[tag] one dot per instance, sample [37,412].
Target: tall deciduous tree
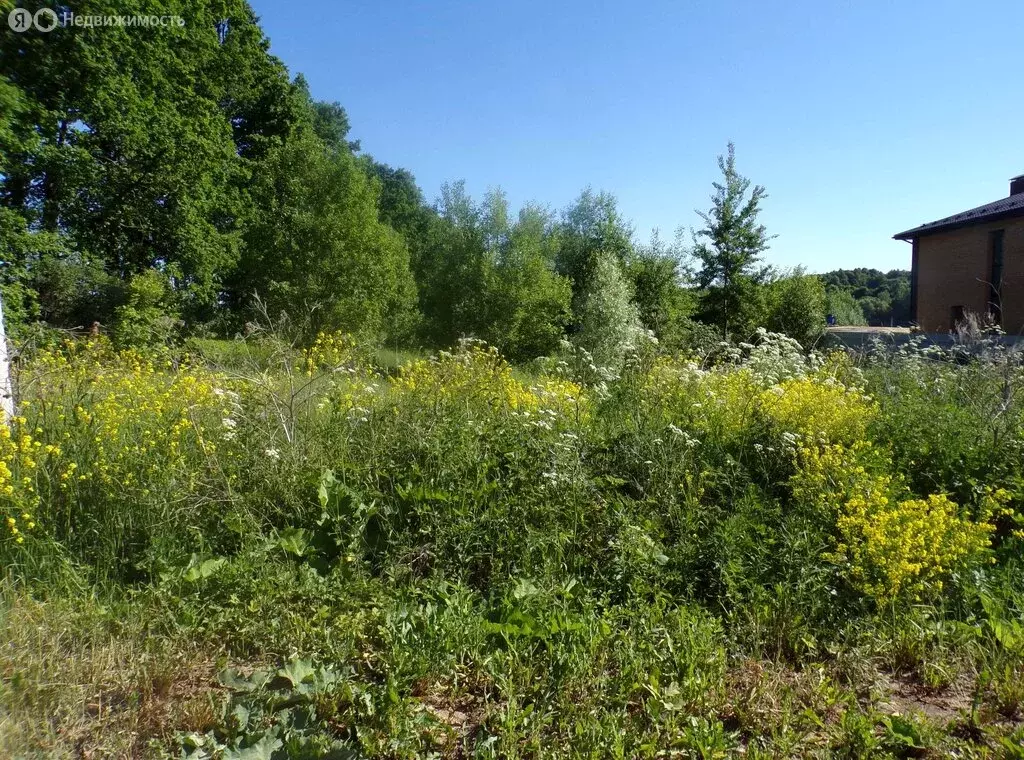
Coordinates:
[318,252]
[146,138]
[330,121]
[661,288]
[590,226]
[528,302]
[729,247]
[452,269]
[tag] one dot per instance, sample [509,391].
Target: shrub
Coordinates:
[795,305]
[889,546]
[148,318]
[609,325]
[904,548]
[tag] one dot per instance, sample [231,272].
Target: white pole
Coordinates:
[6,394]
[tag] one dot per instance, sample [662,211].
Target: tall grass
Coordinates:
[484,560]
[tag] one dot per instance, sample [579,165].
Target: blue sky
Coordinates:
[861,118]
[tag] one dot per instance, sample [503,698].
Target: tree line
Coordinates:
[180,180]
[868,296]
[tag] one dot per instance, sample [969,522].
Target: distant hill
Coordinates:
[868,296]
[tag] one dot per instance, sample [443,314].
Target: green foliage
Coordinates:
[662,296]
[147,319]
[20,299]
[143,162]
[453,270]
[486,275]
[609,326]
[192,153]
[270,714]
[528,302]
[882,298]
[696,551]
[591,226]
[458,557]
[135,162]
[318,253]
[728,250]
[329,120]
[844,307]
[795,305]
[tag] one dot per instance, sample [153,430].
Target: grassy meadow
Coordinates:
[245,550]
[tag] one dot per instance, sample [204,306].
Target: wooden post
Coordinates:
[6,393]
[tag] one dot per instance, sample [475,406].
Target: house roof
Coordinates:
[1012,205]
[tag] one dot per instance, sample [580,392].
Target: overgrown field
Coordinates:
[300,554]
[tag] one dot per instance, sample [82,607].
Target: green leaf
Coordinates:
[323,493]
[294,541]
[241,715]
[233,679]
[204,569]
[904,731]
[262,750]
[297,671]
[524,589]
[192,741]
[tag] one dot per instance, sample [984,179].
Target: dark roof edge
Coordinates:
[929,229]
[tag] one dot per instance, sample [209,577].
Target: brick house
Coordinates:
[971,262]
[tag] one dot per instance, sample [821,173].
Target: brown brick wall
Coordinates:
[953,270]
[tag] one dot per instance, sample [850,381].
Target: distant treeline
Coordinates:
[868,296]
[186,182]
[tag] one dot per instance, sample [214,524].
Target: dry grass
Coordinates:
[75,682]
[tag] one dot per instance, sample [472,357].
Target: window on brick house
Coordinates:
[995,274]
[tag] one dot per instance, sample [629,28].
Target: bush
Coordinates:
[609,326]
[796,306]
[844,307]
[148,318]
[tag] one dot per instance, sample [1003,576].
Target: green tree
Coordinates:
[74,289]
[883,298]
[401,205]
[453,270]
[796,305]
[18,246]
[729,248]
[149,317]
[528,302]
[844,307]
[330,120]
[143,156]
[318,252]
[592,225]
[485,274]
[661,292]
[609,326]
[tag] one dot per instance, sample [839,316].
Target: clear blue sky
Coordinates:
[861,118]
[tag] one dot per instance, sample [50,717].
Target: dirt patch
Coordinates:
[902,695]
[458,716]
